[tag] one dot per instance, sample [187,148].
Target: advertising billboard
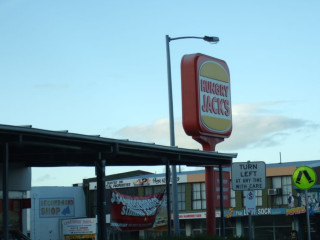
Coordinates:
[206,96]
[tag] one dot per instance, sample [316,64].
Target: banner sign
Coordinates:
[137,182]
[133,213]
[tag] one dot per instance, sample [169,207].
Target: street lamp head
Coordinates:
[211,39]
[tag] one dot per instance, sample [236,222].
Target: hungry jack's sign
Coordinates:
[206,96]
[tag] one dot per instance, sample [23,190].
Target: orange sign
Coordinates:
[206,96]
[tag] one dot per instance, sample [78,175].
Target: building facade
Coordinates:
[52,205]
[280,207]
[19,185]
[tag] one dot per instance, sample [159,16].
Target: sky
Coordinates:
[100,67]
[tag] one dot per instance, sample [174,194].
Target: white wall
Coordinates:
[19,177]
[51,204]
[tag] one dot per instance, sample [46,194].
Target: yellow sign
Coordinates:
[80,237]
[304,177]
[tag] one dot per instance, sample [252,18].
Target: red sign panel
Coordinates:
[132,213]
[206,96]
[15,211]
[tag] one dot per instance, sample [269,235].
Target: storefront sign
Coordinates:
[80,237]
[192,215]
[56,207]
[259,212]
[248,176]
[79,226]
[206,96]
[132,213]
[294,211]
[137,182]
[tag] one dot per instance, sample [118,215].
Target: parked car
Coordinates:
[14,235]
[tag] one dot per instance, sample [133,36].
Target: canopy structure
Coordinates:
[43,148]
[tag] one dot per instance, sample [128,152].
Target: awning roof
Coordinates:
[44,148]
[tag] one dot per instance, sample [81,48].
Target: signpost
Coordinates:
[247,177]
[304,178]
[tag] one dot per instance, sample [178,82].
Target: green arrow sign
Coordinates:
[304,177]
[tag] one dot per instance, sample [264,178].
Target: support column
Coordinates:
[101,197]
[210,200]
[222,223]
[168,197]
[5,203]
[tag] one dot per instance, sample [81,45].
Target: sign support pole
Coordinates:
[209,144]
[210,200]
[250,226]
[308,215]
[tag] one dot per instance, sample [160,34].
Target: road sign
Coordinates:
[250,201]
[248,176]
[304,177]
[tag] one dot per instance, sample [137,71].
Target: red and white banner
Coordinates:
[132,213]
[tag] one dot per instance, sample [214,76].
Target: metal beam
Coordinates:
[101,197]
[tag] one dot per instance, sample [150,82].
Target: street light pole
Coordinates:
[176,223]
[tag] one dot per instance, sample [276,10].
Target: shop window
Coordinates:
[181,194]
[198,196]
[181,197]
[233,198]
[152,190]
[259,197]
[283,183]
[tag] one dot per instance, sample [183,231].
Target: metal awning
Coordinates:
[43,148]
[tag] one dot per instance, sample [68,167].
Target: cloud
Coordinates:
[43,178]
[257,127]
[157,132]
[254,126]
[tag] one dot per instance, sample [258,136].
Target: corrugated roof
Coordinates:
[41,148]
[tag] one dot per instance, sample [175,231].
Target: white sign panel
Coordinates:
[248,176]
[250,201]
[137,182]
[79,226]
[56,207]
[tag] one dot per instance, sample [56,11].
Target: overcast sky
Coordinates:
[99,67]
